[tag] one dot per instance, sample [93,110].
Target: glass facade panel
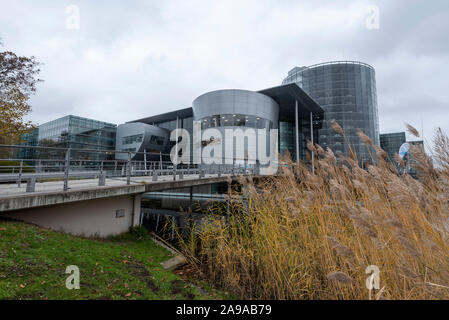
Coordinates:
[287,139]
[77,133]
[235,120]
[132,139]
[347,93]
[157,140]
[391,142]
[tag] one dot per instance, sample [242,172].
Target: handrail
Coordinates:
[65,166]
[333,63]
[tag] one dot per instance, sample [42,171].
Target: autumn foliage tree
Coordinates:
[18,80]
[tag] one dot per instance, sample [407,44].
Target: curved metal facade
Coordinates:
[236,109]
[138,137]
[346,91]
[212,106]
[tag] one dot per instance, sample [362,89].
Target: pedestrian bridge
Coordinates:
[94,197]
[88,209]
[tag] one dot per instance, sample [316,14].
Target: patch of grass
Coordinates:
[33,263]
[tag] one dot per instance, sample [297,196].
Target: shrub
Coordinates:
[6,166]
[301,235]
[138,232]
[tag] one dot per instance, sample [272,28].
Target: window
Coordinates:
[132,139]
[235,120]
[157,140]
[119,213]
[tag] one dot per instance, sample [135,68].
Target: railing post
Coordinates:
[20,173]
[31,184]
[160,160]
[66,170]
[128,172]
[155,174]
[102,177]
[145,161]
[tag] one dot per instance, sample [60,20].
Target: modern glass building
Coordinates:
[346,90]
[76,133]
[287,108]
[29,139]
[391,142]
[141,137]
[157,129]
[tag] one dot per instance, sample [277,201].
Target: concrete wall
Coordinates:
[87,218]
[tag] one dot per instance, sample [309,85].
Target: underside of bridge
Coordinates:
[99,211]
[91,218]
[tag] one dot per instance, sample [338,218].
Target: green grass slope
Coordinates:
[33,263]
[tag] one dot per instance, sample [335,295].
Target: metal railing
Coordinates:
[338,62]
[56,164]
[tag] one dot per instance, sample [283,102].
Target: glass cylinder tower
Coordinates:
[346,90]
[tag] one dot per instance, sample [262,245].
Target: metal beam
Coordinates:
[297,131]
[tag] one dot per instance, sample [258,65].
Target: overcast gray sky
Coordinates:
[131,59]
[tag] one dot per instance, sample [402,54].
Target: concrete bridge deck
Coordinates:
[50,193]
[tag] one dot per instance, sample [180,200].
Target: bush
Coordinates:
[6,167]
[312,236]
[139,232]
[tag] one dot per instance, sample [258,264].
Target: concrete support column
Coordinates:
[136,210]
[297,130]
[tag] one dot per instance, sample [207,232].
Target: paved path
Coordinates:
[12,190]
[50,193]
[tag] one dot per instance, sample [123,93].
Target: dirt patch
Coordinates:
[139,271]
[178,287]
[152,285]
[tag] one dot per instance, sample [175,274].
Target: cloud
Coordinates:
[139,58]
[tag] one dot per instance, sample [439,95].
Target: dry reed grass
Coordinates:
[305,236]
